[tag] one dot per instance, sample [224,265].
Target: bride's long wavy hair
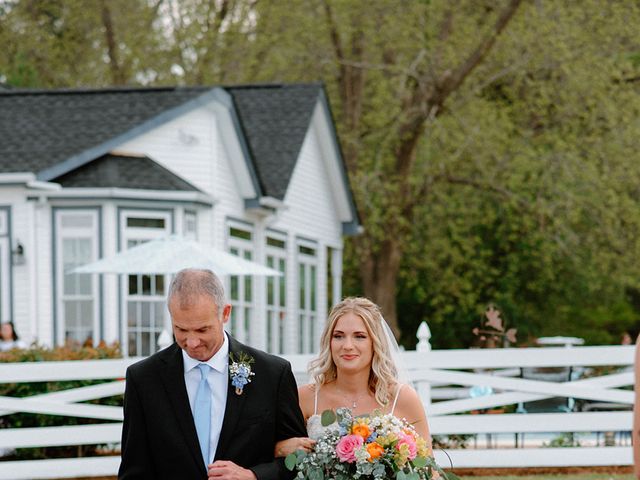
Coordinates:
[383,374]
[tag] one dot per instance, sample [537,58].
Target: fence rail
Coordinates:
[444,380]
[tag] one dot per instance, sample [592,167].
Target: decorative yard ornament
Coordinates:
[491,333]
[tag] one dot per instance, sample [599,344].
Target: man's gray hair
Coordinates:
[190,283]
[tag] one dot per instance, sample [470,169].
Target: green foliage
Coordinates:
[522,187]
[20,390]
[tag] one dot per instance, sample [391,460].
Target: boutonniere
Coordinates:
[240,371]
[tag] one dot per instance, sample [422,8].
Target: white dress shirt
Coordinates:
[218,382]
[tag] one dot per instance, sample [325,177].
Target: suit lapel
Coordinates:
[173,380]
[233,407]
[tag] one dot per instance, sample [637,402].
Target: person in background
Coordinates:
[635,432]
[9,337]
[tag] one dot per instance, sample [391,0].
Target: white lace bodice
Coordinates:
[315,429]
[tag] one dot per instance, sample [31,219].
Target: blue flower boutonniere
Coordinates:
[240,371]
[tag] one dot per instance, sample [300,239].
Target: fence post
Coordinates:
[424,346]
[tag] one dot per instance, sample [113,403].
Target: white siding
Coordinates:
[204,163]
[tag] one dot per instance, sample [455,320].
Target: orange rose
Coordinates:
[361,429]
[375,450]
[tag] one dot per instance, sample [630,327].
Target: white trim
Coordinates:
[331,161]
[134,194]
[155,300]
[90,233]
[240,323]
[272,202]
[230,138]
[17,177]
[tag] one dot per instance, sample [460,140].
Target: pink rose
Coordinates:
[410,442]
[347,446]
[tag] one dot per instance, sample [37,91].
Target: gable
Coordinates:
[124,171]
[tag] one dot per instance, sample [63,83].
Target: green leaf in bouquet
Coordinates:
[327,418]
[316,474]
[290,461]
[413,476]
[400,475]
[419,462]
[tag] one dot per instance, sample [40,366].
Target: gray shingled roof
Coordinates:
[275,119]
[40,129]
[122,171]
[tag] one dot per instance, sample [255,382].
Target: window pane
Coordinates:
[159,285]
[270,291]
[146,343]
[313,288]
[76,221]
[133,284]
[145,222]
[269,331]
[158,315]
[239,233]
[275,242]
[133,349]
[233,320]
[248,291]
[307,250]
[146,285]
[301,334]
[247,321]
[302,287]
[132,316]
[145,314]
[234,288]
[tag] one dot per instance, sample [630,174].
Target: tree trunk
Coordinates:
[379,279]
[117,75]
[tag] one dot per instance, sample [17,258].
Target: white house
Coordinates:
[255,170]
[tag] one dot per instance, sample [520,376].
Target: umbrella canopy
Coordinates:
[172,254]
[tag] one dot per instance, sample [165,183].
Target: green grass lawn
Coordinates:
[595,476]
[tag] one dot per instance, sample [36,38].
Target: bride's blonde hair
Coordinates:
[383,374]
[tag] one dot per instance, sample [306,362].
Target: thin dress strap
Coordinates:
[315,403]
[395,400]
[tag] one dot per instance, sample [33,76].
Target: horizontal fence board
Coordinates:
[564,389]
[60,468]
[521,357]
[59,436]
[101,412]
[531,423]
[535,457]
[21,372]
[78,394]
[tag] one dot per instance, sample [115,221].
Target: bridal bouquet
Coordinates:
[377,446]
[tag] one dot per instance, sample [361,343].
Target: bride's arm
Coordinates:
[290,445]
[410,407]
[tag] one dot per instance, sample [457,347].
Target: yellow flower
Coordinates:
[424,449]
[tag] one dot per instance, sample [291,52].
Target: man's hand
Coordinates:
[226,470]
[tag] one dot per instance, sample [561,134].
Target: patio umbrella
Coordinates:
[169,255]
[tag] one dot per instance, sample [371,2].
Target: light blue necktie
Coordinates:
[202,412]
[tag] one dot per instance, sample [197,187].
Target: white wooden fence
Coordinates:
[443,379]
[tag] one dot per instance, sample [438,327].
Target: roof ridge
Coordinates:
[101,90]
[266,85]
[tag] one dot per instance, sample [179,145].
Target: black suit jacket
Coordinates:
[159,439]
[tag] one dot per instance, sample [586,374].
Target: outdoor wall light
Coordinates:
[18,255]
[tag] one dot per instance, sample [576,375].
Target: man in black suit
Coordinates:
[164,394]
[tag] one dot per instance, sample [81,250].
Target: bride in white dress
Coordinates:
[355,369]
